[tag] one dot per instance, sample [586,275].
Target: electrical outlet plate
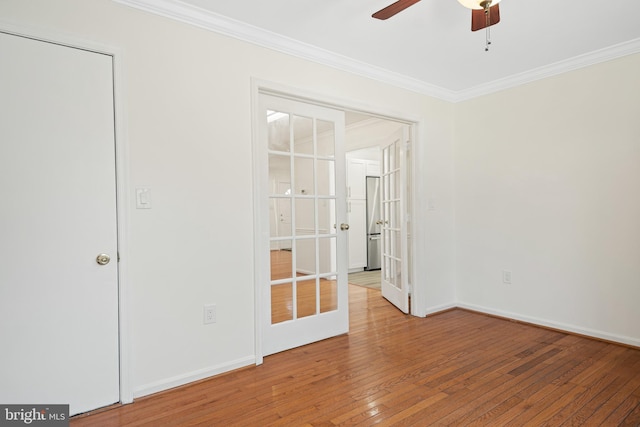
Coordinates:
[209,314]
[143,198]
[506,277]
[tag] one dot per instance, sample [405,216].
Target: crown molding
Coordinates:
[179,11]
[591,58]
[192,15]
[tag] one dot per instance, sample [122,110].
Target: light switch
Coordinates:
[143,198]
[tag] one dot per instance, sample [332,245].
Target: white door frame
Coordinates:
[123,196]
[261,263]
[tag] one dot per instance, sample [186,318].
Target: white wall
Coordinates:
[371,153]
[433,204]
[186,98]
[367,133]
[548,187]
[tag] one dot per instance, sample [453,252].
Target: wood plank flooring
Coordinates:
[456,368]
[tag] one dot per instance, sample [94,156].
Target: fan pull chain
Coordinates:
[487,15]
[488,39]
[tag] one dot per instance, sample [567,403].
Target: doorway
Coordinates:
[379,182]
[296,152]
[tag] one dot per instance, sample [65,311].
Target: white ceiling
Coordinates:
[429,47]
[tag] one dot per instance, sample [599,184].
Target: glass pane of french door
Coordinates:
[306,291]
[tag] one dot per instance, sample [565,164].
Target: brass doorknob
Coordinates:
[103,259]
[344,226]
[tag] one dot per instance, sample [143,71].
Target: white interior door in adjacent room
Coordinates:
[58,290]
[304,295]
[395,225]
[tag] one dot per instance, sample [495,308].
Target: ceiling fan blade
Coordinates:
[479,21]
[394,8]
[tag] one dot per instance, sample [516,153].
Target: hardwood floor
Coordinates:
[456,368]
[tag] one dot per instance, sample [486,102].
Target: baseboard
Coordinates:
[429,311]
[558,326]
[190,377]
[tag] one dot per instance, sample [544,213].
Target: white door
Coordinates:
[58,306]
[304,286]
[394,277]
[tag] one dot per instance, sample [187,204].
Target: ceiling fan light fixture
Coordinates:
[478,4]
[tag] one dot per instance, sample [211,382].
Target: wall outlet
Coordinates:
[143,198]
[209,314]
[506,277]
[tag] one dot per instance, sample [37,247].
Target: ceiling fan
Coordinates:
[484,13]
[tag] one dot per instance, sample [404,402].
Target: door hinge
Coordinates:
[118,256]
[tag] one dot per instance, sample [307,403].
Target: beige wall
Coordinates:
[185,97]
[548,187]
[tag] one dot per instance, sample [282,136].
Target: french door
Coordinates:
[395,225]
[303,216]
